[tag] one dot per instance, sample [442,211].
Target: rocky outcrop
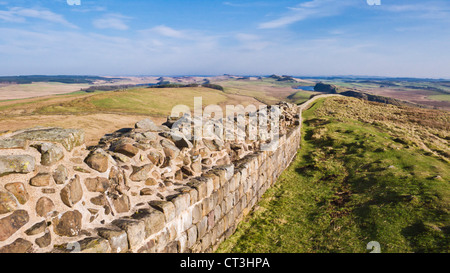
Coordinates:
[325,88]
[145,189]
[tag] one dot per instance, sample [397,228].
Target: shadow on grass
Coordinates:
[426,238]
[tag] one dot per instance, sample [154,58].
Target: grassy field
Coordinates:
[266,90]
[365,172]
[152,101]
[301,96]
[21,91]
[440,97]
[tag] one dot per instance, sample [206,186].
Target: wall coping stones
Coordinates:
[69,138]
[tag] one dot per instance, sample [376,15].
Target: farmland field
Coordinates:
[430,93]
[21,91]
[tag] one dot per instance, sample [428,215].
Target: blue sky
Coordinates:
[406,38]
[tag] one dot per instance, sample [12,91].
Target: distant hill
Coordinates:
[348,92]
[283,78]
[60,79]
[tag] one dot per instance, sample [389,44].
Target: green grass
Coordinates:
[265,90]
[352,182]
[21,104]
[150,101]
[301,96]
[440,97]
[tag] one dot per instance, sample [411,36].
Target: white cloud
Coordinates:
[9,16]
[91,9]
[436,10]
[307,10]
[19,15]
[250,4]
[169,32]
[112,21]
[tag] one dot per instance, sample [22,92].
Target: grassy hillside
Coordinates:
[366,172]
[137,100]
[266,90]
[440,97]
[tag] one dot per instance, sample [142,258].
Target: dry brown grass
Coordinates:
[425,128]
[40,89]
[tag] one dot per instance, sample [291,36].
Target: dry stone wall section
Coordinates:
[144,189]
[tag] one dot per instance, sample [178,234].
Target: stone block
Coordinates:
[117,238]
[181,202]
[16,164]
[148,125]
[197,213]
[149,247]
[8,202]
[206,242]
[207,205]
[135,230]
[41,180]
[60,174]
[44,206]
[191,236]
[221,174]
[126,149]
[215,178]
[166,207]
[13,144]
[121,203]
[217,213]
[202,227]
[211,221]
[182,243]
[12,223]
[36,229]
[172,247]
[200,186]
[98,161]
[72,193]
[18,246]
[141,173]
[44,241]
[19,191]
[153,219]
[68,224]
[87,245]
[98,184]
[69,138]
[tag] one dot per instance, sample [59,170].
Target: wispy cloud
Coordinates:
[89,9]
[243,4]
[169,32]
[112,21]
[430,10]
[20,15]
[307,10]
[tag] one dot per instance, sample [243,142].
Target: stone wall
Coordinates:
[144,189]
